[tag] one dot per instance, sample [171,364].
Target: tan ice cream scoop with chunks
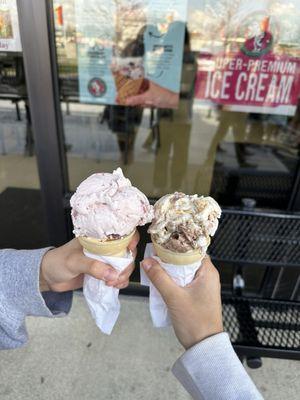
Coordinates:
[182,227]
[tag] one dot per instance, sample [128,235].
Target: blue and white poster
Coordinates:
[130,51]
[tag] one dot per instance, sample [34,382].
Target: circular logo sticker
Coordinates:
[258,31]
[258,45]
[97,87]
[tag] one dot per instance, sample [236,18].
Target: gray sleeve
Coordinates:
[211,370]
[20,295]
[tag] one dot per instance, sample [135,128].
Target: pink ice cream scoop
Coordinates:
[107,206]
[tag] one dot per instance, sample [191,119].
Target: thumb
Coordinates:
[99,269]
[160,279]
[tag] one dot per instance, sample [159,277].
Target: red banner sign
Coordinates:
[253,77]
[270,81]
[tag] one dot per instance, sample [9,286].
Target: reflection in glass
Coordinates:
[229,151]
[20,200]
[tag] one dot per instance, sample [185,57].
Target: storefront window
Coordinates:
[233,129]
[21,212]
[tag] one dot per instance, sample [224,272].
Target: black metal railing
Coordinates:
[263,246]
[259,238]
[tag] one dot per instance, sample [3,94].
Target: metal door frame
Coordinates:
[36,25]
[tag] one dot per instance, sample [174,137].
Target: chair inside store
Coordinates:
[258,256]
[13,89]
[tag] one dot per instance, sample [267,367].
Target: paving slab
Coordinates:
[69,358]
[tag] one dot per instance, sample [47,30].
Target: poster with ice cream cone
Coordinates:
[130,51]
[9,26]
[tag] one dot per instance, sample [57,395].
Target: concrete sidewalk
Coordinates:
[69,358]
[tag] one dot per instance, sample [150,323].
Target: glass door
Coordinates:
[21,211]
[217,108]
[227,135]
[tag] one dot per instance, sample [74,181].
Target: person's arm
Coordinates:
[20,295]
[40,283]
[212,370]
[209,369]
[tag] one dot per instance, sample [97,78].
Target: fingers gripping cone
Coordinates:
[103,300]
[181,267]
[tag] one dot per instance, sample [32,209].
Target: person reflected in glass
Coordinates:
[233,121]
[174,127]
[123,120]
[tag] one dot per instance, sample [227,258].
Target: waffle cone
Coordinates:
[127,87]
[115,248]
[170,257]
